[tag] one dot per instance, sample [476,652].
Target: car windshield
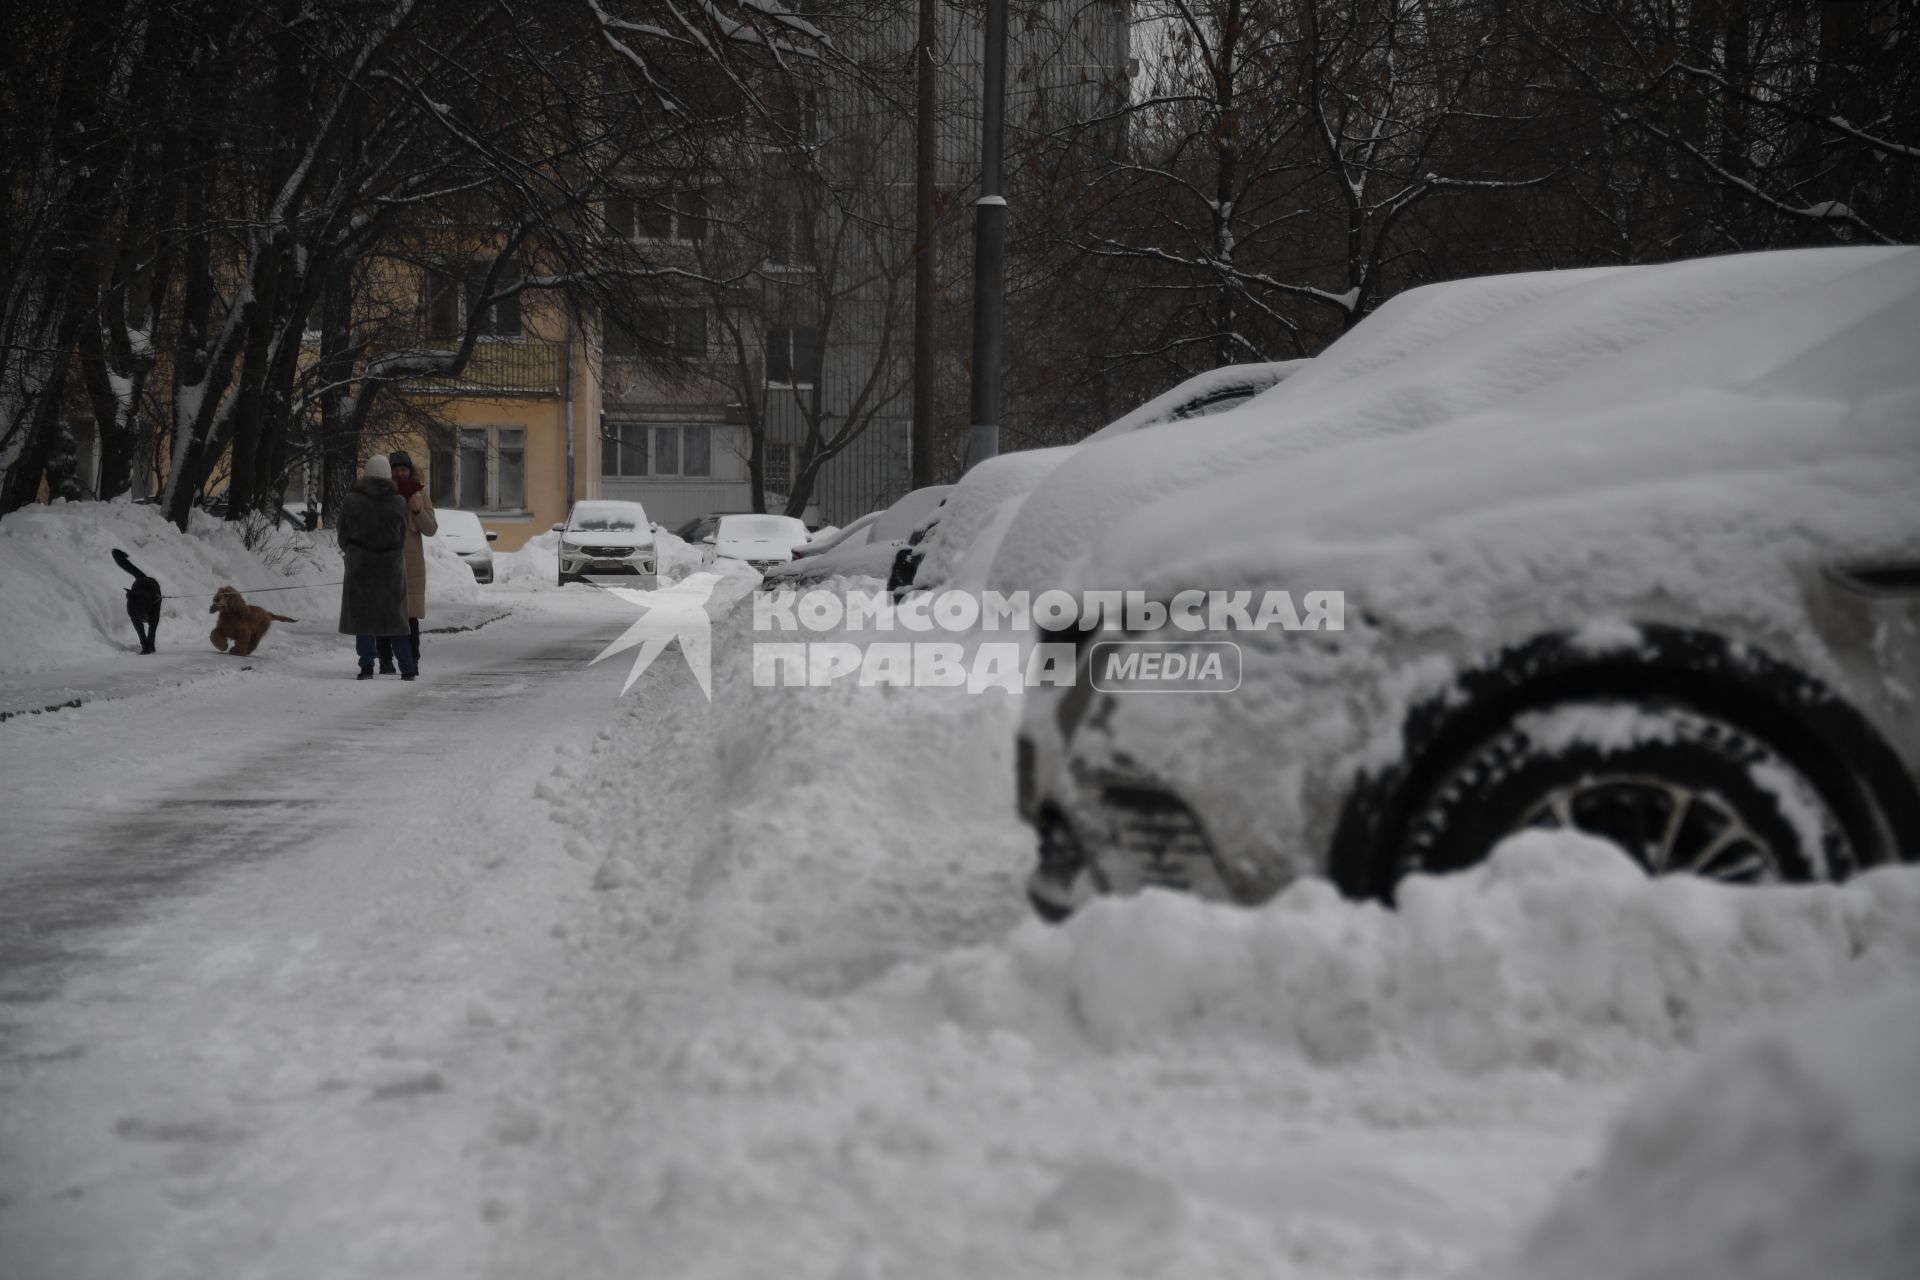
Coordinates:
[607,517]
[782,529]
[460,524]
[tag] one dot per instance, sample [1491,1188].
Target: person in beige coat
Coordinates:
[420,523]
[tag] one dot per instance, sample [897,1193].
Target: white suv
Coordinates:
[607,537]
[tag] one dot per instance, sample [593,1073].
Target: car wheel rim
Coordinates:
[1664,825]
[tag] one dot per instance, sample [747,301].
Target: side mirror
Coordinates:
[559,528]
[492,536]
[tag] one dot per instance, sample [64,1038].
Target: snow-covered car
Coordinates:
[1634,552]
[957,547]
[869,551]
[463,535]
[607,536]
[762,541]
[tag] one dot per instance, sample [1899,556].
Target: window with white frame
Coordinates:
[478,468]
[640,449]
[793,356]
[678,215]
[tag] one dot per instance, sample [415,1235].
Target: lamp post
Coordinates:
[921,452]
[989,244]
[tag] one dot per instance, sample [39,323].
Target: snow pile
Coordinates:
[675,557]
[1558,953]
[66,598]
[1793,1152]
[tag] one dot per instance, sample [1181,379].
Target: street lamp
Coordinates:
[989,244]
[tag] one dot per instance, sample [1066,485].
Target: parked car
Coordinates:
[697,530]
[605,536]
[762,541]
[975,517]
[1633,552]
[852,534]
[871,551]
[462,533]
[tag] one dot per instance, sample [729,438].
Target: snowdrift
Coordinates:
[1793,1152]
[66,599]
[1557,953]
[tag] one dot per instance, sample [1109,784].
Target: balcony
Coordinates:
[505,368]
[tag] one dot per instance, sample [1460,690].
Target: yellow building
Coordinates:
[519,442]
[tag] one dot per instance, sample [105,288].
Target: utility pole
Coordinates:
[990,244]
[924,169]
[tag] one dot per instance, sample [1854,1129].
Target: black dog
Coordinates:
[143,602]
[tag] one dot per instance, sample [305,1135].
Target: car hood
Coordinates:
[464,544]
[611,538]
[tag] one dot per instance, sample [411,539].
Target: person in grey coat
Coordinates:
[373,599]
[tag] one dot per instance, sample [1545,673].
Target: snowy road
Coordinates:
[501,974]
[274,883]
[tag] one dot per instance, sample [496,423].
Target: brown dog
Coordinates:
[241,623]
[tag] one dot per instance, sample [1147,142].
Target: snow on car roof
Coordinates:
[1754,406]
[763,528]
[1428,356]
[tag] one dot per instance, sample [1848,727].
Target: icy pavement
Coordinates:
[501,974]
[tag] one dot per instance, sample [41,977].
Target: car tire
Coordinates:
[1677,789]
[566,577]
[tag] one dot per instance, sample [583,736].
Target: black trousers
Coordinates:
[386,644]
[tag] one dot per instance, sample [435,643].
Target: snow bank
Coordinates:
[66,598]
[1794,1152]
[537,560]
[1557,953]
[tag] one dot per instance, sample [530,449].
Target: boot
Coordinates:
[366,671]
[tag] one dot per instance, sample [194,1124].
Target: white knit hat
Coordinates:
[378,467]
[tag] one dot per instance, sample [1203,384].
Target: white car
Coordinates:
[869,549]
[762,541]
[462,533]
[1633,551]
[605,536]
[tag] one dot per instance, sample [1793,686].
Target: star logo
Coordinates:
[676,612]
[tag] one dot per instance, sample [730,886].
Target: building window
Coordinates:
[666,451]
[510,450]
[790,237]
[478,468]
[682,330]
[688,326]
[696,451]
[623,449]
[667,215]
[779,467]
[450,293]
[629,449]
[793,356]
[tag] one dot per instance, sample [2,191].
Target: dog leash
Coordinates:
[260,591]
